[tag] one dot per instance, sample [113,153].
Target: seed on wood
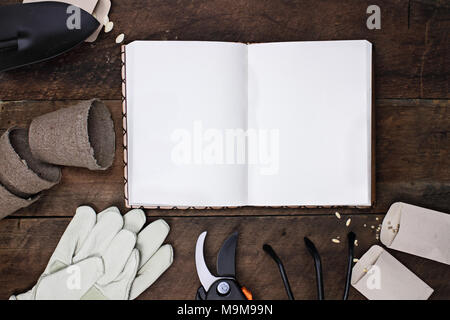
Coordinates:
[336,240]
[120,38]
[337,214]
[348,222]
[109,26]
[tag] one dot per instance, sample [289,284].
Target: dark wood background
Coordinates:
[412,140]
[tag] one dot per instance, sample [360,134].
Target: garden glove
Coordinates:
[146,264]
[84,229]
[101,249]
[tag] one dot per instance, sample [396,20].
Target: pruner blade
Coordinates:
[205,276]
[226,259]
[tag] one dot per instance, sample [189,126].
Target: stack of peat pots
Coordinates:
[30,159]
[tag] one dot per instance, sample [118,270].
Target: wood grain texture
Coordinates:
[26,245]
[411,49]
[412,162]
[411,64]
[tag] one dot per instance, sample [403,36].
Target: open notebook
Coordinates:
[218,124]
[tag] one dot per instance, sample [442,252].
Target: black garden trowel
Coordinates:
[34,32]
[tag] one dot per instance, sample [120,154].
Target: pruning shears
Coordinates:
[224,286]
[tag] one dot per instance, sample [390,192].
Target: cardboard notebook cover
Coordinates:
[125,156]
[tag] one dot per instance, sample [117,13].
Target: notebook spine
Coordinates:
[124,124]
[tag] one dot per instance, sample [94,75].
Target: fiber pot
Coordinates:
[10,203]
[80,136]
[21,173]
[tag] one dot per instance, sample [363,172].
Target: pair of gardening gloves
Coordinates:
[104,256]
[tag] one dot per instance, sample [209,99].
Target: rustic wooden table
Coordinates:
[412,140]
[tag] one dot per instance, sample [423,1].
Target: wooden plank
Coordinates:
[26,245]
[411,59]
[412,162]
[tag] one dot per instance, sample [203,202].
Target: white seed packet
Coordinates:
[101,11]
[379,276]
[418,231]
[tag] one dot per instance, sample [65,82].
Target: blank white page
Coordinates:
[318,94]
[171,85]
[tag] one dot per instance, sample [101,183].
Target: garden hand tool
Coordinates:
[317,266]
[34,32]
[97,8]
[106,255]
[267,248]
[224,286]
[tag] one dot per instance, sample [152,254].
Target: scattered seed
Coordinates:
[364,225]
[120,38]
[356,242]
[336,240]
[372,227]
[338,215]
[355,260]
[349,220]
[365,270]
[377,218]
[109,26]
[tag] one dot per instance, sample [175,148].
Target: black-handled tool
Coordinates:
[351,237]
[9,44]
[317,266]
[267,248]
[34,32]
[224,286]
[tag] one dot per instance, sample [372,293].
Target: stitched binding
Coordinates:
[124,123]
